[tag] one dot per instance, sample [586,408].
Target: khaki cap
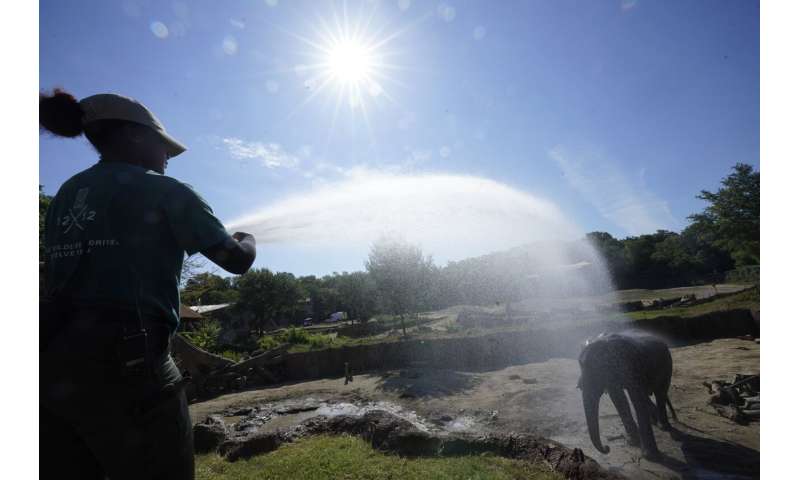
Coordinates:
[110,106]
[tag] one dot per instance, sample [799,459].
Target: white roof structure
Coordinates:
[209,308]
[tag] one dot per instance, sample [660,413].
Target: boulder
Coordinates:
[209,434]
[252,445]
[384,430]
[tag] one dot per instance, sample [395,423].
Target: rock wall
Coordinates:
[196,361]
[508,348]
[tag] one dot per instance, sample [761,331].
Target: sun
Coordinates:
[350,62]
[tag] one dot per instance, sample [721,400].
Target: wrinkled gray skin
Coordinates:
[640,364]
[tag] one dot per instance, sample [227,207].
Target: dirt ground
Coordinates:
[542,398]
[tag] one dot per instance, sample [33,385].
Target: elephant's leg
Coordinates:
[653,413]
[621,404]
[661,408]
[642,404]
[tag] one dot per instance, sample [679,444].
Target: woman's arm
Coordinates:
[235,254]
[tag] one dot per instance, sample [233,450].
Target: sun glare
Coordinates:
[348,65]
[350,62]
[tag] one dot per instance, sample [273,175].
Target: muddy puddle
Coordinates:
[283,415]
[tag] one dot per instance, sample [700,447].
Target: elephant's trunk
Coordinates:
[591,406]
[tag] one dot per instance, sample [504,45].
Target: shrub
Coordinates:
[318,341]
[206,336]
[268,342]
[294,335]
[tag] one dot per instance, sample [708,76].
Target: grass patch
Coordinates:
[746,300]
[325,457]
[301,340]
[233,355]
[320,341]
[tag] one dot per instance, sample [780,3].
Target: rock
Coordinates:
[252,445]
[411,443]
[297,407]
[209,434]
[469,444]
[384,430]
[242,412]
[688,299]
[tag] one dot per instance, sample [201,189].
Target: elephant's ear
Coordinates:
[580,383]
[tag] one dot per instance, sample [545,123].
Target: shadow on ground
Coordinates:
[425,383]
[707,458]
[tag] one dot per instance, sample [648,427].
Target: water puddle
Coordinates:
[461,424]
[276,416]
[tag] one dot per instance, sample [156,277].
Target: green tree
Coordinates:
[44,203]
[268,297]
[402,276]
[709,259]
[643,269]
[357,294]
[674,257]
[288,295]
[733,214]
[257,297]
[208,289]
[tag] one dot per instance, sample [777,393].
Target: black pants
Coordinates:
[96,423]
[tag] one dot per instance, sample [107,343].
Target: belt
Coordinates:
[110,333]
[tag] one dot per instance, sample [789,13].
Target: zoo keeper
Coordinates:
[111,403]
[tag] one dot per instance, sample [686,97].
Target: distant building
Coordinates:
[189,319]
[208,309]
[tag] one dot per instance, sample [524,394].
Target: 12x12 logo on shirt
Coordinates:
[79,214]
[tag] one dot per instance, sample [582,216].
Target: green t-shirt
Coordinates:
[128,228]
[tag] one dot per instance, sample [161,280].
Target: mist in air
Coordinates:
[449,216]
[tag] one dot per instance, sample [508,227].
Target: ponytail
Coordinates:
[60,114]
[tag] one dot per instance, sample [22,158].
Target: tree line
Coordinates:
[724,236]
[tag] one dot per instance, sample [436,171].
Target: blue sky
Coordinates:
[617,112]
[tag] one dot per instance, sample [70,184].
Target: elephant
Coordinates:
[640,364]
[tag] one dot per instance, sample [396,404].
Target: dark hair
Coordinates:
[60,114]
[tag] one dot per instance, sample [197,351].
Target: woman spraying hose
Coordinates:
[111,402]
